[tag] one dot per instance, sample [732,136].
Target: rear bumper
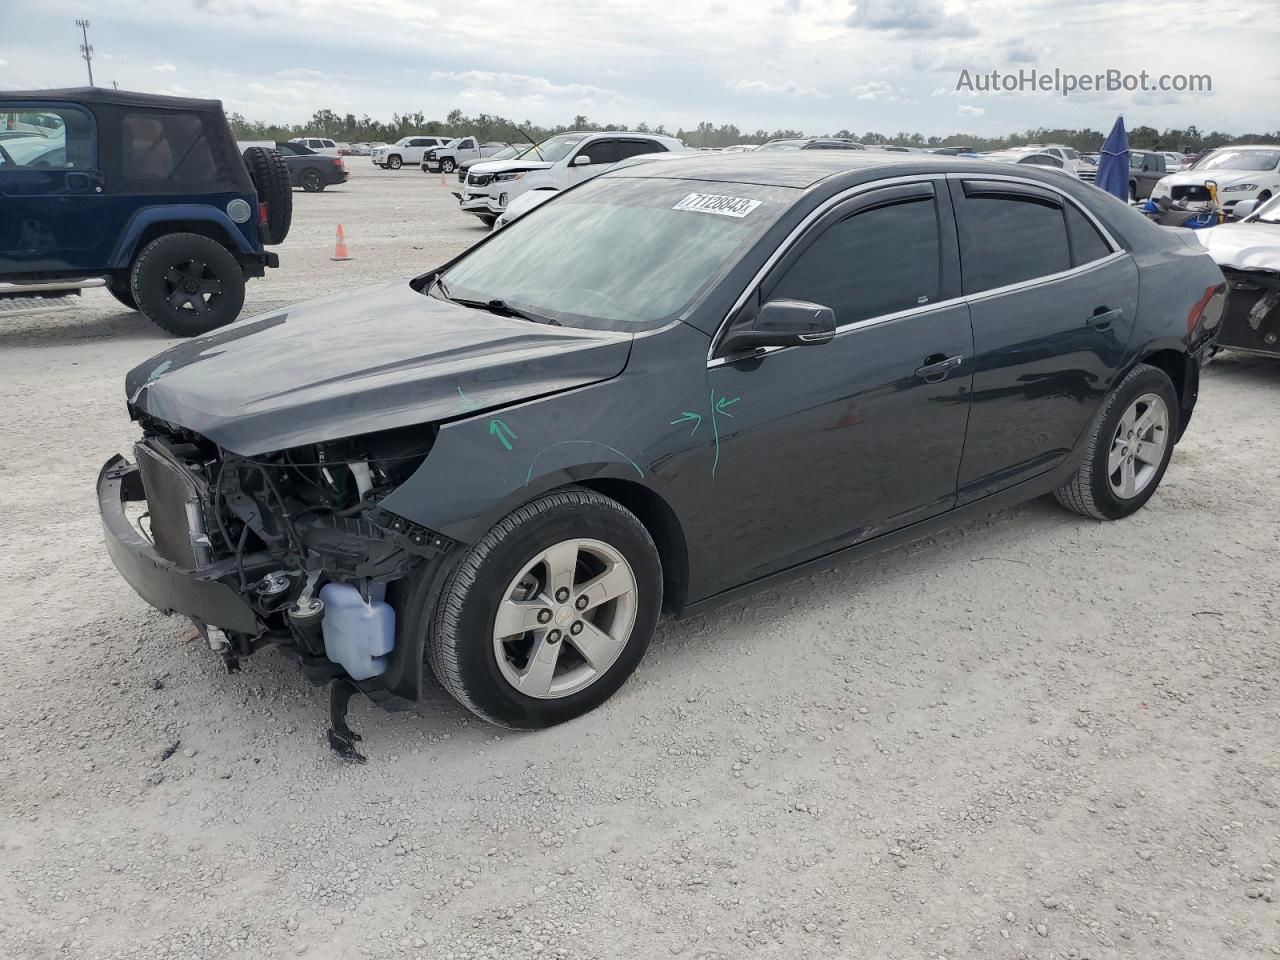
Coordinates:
[165,585]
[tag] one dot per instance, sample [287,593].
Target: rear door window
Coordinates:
[1009,238]
[875,262]
[167,146]
[634,148]
[1087,243]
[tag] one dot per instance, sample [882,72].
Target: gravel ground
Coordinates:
[1033,736]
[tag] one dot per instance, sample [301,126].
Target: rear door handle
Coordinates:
[937,366]
[1103,317]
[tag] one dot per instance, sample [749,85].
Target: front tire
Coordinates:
[1128,449]
[448,166]
[549,613]
[120,290]
[187,284]
[394,163]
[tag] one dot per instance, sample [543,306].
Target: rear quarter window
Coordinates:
[167,146]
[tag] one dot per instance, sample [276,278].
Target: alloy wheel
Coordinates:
[1138,447]
[565,618]
[192,286]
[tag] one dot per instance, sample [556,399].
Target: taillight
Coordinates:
[262,213]
[337,161]
[1207,313]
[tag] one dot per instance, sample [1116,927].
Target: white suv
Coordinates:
[556,163]
[407,151]
[320,145]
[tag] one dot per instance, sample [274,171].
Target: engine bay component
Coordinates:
[359,631]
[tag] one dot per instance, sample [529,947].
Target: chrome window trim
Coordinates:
[1117,251]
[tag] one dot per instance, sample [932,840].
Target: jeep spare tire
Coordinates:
[187,284]
[270,175]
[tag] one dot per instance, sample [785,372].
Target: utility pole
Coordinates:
[86,51]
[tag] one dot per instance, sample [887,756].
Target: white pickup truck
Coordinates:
[455,153]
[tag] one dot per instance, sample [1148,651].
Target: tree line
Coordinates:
[351,129]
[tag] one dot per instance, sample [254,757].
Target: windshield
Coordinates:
[1240,160]
[555,148]
[618,253]
[783,145]
[508,152]
[452,144]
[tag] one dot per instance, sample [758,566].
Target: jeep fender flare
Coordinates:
[126,247]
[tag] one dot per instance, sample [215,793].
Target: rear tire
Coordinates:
[597,645]
[311,181]
[176,270]
[1098,491]
[270,175]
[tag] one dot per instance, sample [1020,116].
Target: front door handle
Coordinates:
[937,366]
[1103,317]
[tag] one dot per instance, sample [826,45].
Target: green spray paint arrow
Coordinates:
[723,403]
[502,431]
[686,416]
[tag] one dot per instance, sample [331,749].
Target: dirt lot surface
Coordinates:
[1033,736]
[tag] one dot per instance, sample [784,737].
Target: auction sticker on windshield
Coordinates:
[714,203]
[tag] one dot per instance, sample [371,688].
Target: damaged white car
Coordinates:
[1248,251]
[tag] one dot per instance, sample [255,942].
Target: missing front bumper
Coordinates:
[1251,317]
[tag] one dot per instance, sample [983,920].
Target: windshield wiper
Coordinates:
[504,309]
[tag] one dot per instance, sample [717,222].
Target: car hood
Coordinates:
[1245,246]
[1221,177]
[503,166]
[373,359]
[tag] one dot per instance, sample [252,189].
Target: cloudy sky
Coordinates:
[819,65]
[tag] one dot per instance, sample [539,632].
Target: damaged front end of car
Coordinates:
[290,548]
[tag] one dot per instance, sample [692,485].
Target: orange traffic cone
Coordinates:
[340,251]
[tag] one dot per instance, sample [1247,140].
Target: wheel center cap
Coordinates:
[190,286]
[564,616]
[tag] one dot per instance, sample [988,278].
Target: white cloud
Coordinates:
[920,18]
[968,110]
[500,85]
[165,68]
[789,87]
[876,90]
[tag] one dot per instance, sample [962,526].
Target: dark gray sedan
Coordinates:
[670,384]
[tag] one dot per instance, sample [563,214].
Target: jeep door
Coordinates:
[1053,300]
[51,203]
[824,445]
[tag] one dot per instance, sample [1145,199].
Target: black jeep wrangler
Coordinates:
[145,195]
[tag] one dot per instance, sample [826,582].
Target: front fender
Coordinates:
[127,246]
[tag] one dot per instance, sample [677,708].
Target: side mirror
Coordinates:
[581,160]
[1244,208]
[784,323]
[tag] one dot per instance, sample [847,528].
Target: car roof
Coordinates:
[795,168]
[118,97]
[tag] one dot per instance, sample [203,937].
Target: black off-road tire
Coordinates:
[270,175]
[447,166]
[394,162]
[151,288]
[1089,492]
[460,647]
[120,290]
[312,181]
